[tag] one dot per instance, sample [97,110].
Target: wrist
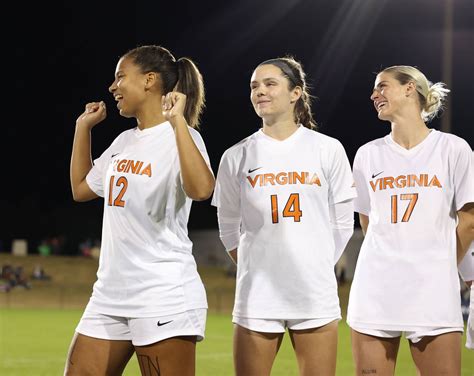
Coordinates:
[177,120]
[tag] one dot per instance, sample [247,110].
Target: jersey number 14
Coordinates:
[291,209]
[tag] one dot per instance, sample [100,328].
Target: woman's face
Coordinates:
[128,87]
[270,94]
[389,96]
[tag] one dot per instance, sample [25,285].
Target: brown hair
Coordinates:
[181,75]
[293,71]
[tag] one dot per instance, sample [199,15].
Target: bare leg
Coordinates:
[94,356]
[254,352]
[316,349]
[438,355]
[374,355]
[171,357]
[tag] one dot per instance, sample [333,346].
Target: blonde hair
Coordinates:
[432,97]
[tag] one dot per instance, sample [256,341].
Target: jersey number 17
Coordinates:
[413,197]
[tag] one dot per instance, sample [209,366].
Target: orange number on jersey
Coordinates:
[413,197]
[122,181]
[292,207]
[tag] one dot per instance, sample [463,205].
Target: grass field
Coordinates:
[36,325]
[34,342]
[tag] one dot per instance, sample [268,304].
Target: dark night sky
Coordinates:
[68,56]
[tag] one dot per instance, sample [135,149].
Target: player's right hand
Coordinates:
[94,113]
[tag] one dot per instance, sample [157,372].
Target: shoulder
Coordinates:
[322,139]
[326,144]
[123,137]
[238,148]
[456,142]
[373,145]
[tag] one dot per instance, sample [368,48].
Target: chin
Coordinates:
[125,114]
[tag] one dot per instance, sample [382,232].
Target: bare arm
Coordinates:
[81,160]
[364,222]
[198,178]
[464,230]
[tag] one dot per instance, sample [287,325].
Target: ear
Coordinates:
[410,88]
[296,94]
[151,78]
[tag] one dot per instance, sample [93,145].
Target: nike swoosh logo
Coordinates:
[113,155]
[163,323]
[375,175]
[254,169]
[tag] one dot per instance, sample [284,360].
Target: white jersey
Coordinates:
[282,190]
[146,264]
[406,274]
[466,267]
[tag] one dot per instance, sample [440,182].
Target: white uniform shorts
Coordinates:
[279,326]
[413,336]
[143,330]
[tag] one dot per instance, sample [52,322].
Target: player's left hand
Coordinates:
[173,104]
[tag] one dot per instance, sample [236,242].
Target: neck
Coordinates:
[280,128]
[409,133]
[144,122]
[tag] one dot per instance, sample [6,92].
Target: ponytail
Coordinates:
[190,83]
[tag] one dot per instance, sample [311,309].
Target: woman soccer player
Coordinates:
[415,195]
[284,203]
[148,297]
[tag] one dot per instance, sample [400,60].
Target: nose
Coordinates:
[260,90]
[375,95]
[112,87]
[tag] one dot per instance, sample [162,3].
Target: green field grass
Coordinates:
[36,325]
[34,342]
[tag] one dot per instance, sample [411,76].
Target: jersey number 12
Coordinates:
[121,181]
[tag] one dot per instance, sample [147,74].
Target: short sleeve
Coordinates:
[464,176]
[95,177]
[362,201]
[197,138]
[341,182]
[227,191]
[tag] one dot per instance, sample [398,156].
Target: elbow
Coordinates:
[466,223]
[79,195]
[201,193]
[75,196]
[470,232]
[78,198]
